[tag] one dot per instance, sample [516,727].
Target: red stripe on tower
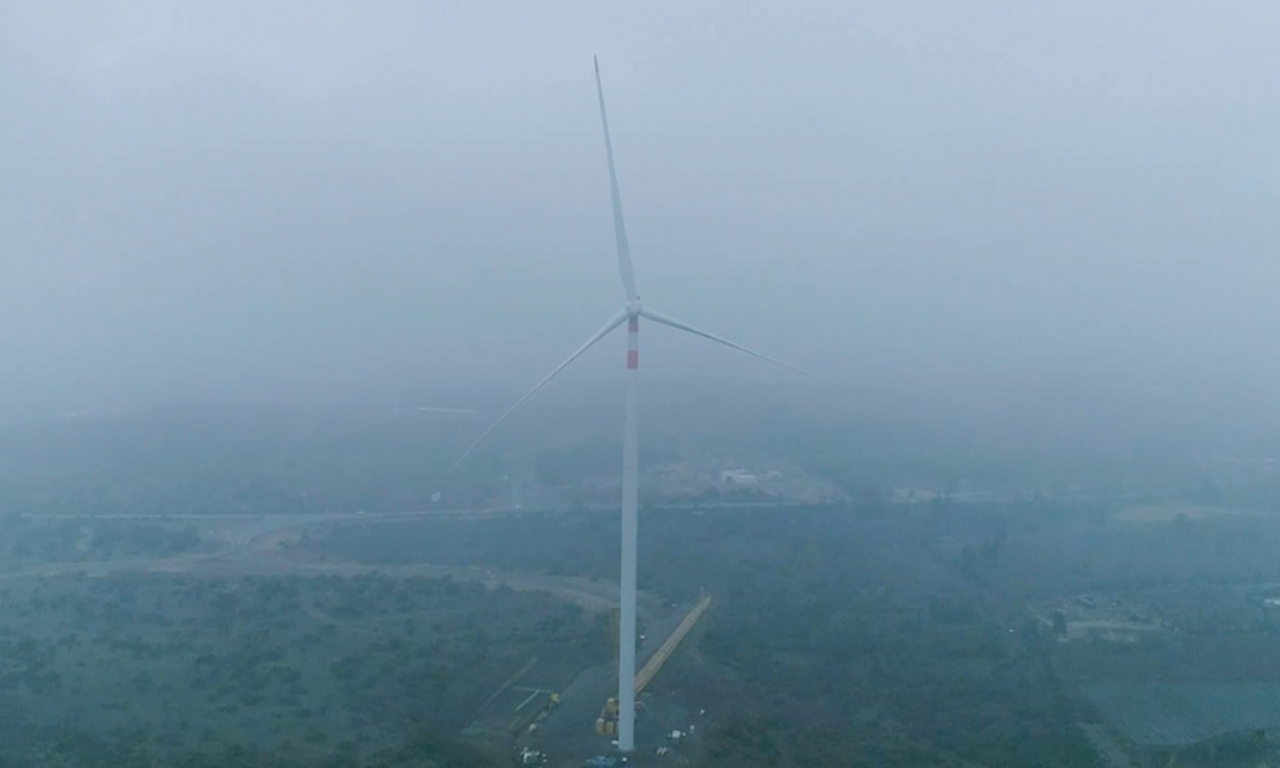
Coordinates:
[633,358]
[633,324]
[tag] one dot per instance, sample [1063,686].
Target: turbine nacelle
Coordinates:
[634,309]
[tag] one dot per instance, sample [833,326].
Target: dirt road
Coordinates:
[248,545]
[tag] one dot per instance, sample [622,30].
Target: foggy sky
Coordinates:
[219,201]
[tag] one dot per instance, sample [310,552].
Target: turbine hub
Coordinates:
[633,307]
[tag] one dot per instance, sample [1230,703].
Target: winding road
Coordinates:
[244,544]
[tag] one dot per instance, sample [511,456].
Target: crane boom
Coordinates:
[607,722]
[660,657]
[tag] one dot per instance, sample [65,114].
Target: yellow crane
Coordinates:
[607,723]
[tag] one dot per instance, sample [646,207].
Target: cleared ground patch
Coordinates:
[1179,714]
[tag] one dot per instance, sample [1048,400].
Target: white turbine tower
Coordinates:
[630,314]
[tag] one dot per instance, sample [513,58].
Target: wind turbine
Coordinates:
[631,313]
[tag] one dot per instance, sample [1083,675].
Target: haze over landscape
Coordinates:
[249,202]
[268,269]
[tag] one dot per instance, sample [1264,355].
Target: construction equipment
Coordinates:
[553,701]
[607,723]
[655,663]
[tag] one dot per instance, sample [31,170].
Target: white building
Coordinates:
[738,477]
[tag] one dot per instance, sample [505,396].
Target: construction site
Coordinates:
[577,725]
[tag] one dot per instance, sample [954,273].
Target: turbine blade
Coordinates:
[658,317]
[614,322]
[619,225]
